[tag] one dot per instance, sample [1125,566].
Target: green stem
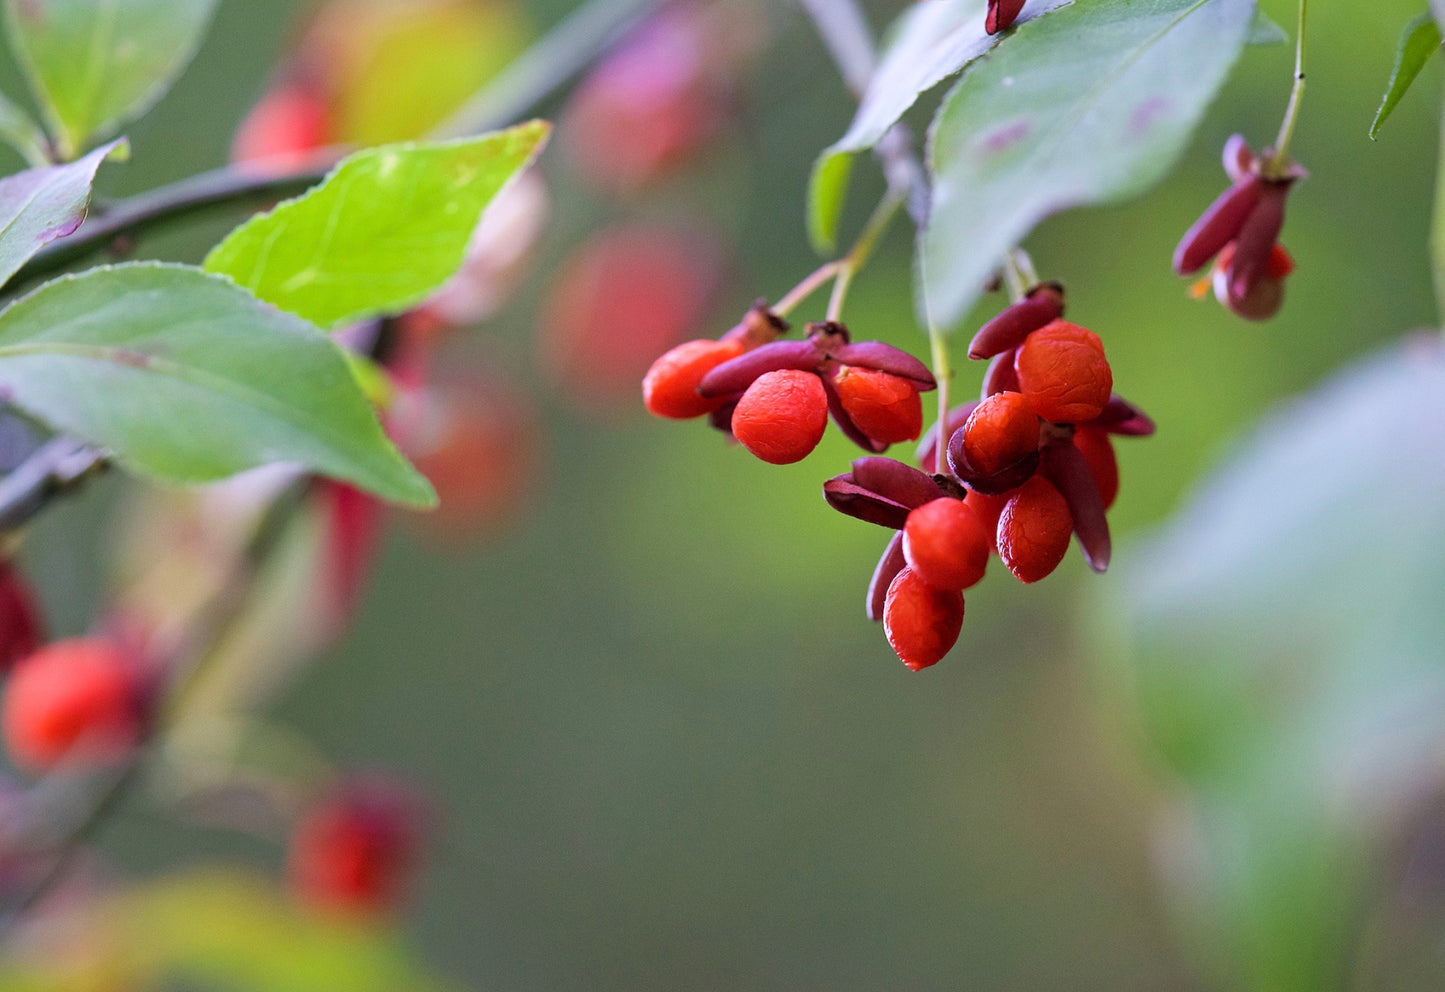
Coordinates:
[810,284]
[942,373]
[1280,157]
[862,249]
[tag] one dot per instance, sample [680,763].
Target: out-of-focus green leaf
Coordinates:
[187,378]
[39,205]
[1263,31]
[227,931]
[928,43]
[1088,105]
[1282,641]
[1420,41]
[388,226]
[97,63]
[20,132]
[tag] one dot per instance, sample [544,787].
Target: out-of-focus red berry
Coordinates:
[21,628]
[284,129]
[670,387]
[885,407]
[1034,530]
[947,544]
[922,622]
[353,525]
[622,299]
[77,699]
[1002,431]
[1098,452]
[1063,372]
[782,416]
[355,852]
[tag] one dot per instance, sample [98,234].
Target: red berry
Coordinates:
[988,508]
[885,407]
[1063,372]
[284,128]
[922,622]
[1098,451]
[1034,530]
[782,416]
[670,387]
[1001,432]
[357,849]
[81,696]
[946,543]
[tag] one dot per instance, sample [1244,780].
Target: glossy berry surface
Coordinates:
[922,622]
[1063,372]
[1002,431]
[885,407]
[947,544]
[1034,530]
[670,387]
[75,699]
[782,416]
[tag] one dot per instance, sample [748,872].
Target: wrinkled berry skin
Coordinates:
[947,544]
[782,416]
[1063,373]
[76,700]
[1001,433]
[670,387]
[922,622]
[356,850]
[884,407]
[1034,530]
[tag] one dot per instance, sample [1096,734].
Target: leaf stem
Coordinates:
[1280,157]
[862,249]
[810,284]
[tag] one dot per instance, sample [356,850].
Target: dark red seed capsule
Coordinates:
[889,565]
[1217,226]
[1066,468]
[1001,14]
[1044,304]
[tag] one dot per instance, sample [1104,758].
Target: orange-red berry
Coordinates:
[670,387]
[885,407]
[77,699]
[1001,432]
[922,622]
[988,508]
[782,416]
[356,850]
[1034,530]
[1063,372]
[946,543]
[1098,452]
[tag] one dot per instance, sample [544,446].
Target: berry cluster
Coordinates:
[1028,466]
[775,397]
[1240,231]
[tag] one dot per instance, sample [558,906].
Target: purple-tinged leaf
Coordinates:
[1220,224]
[40,205]
[881,357]
[846,496]
[1017,321]
[1122,417]
[895,481]
[737,374]
[888,568]
[1065,467]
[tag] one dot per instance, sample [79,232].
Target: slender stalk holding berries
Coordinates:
[809,285]
[1276,164]
[212,625]
[943,373]
[862,249]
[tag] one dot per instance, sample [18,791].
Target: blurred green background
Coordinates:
[669,750]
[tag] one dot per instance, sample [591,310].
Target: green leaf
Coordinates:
[187,378]
[1281,644]
[1263,31]
[226,931]
[38,206]
[20,132]
[1088,105]
[386,228]
[98,63]
[1420,41]
[928,43]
